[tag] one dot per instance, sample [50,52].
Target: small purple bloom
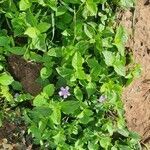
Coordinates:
[64,92]
[102,98]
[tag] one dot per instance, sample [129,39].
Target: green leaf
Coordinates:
[107,42]
[73,1]
[36,57]
[120,39]
[80,74]
[31,18]
[134,135]
[35,131]
[85,116]
[23,97]
[88,112]
[114,148]
[16,85]
[136,72]
[42,124]
[32,32]
[123,147]
[1,67]
[69,107]
[78,93]
[77,61]
[49,89]
[105,142]
[65,33]
[95,73]
[47,61]
[24,4]
[96,69]
[5,79]
[119,65]
[17,50]
[52,4]
[100,1]
[43,26]
[66,19]
[39,113]
[93,145]
[89,31]
[45,72]
[93,63]
[4,41]
[39,42]
[91,88]
[56,114]
[55,52]
[82,46]
[99,44]
[59,137]
[110,128]
[41,2]
[39,100]
[65,72]
[92,7]
[109,57]
[120,68]
[4,91]
[1,118]
[61,10]
[127,3]
[123,132]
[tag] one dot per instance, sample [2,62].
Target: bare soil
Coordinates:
[137,96]
[26,73]
[15,136]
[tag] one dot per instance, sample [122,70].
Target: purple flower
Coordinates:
[102,98]
[64,92]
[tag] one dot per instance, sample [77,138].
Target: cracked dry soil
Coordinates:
[136,97]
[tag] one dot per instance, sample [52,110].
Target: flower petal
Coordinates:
[65,96]
[68,94]
[62,88]
[60,93]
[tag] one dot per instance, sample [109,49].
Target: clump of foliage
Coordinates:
[82,52]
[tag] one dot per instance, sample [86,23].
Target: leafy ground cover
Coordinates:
[63,65]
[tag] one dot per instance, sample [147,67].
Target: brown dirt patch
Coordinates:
[26,73]
[13,136]
[137,95]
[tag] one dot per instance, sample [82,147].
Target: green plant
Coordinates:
[84,70]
